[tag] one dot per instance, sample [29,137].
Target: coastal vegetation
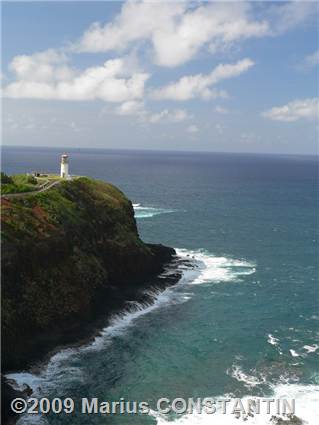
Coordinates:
[18,183]
[68,254]
[24,183]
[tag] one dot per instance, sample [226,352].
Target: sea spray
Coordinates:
[196,266]
[148,212]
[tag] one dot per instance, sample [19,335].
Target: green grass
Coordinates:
[20,179]
[16,188]
[22,183]
[18,183]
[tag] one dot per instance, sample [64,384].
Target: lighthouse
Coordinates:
[64,166]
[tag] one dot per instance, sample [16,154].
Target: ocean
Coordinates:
[243,322]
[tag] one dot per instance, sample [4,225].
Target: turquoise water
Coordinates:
[242,322]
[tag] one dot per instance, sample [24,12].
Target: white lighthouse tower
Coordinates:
[64,166]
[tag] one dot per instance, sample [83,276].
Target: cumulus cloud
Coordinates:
[176,32]
[47,66]
[136,21]
[295,110]
[46,75]
[199,85]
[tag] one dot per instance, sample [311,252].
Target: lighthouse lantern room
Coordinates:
[64,167]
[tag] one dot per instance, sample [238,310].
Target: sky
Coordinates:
[191,76]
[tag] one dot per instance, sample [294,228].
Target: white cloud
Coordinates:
[221,110]
[289,15]
[308,62]
[312,60]
[175,116]
[137,108]
[47,66]
[192,129]
[136,21]
[46,75]
[176,31]
[295,110]
[199,85]
[213,24]
[131,107]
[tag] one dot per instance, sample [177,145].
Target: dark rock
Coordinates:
[8,394]
[69,255]
[288,420]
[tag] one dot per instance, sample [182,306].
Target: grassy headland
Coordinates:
[24,183]
[68,254]
[18,183]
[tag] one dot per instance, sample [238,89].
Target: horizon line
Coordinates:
[70,148]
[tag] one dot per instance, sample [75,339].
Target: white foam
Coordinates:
[120,322]
[249,381]
[201,267]
[272,340]
[148,212]
[306,402]
[20,380]
[294,353]
[311,348]
[54,372]
[216,269]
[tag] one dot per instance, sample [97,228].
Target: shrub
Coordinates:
[5,179]
[24,179]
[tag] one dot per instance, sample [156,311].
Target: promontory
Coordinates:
[69,254]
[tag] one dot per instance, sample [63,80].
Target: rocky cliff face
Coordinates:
[68,254]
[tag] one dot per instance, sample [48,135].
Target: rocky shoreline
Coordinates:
[71,258]
[108,301]
[82,334]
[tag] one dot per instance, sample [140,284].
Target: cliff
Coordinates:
[68,255]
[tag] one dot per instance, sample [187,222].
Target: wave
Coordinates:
[53,372]
[216,269]
[306,401]
[301,351]
[272,340]
[249,381]
[311,348]
[294,353]
[148,212]
[275,342]
[121,322]
[194,266]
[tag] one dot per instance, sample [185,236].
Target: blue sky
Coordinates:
[232,77]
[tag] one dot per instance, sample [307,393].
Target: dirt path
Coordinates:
[23,194]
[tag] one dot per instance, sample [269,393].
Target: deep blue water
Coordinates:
[244,323]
